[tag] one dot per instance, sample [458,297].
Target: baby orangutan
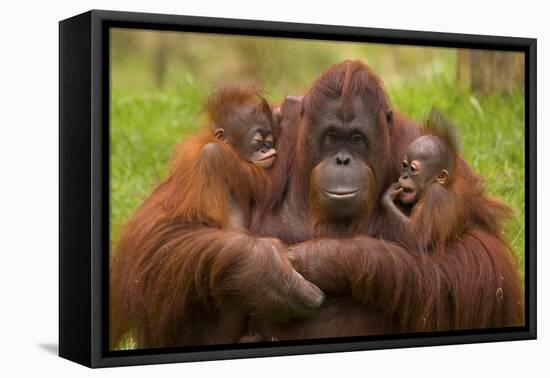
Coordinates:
[428,168]
[243,122]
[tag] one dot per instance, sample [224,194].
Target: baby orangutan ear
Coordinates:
[442,177]
[219,134]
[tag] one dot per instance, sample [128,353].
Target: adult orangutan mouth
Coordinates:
[341,194]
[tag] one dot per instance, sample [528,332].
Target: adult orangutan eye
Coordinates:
[357,139]
[331,135]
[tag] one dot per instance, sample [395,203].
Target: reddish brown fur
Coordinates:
[178,278]
[221,106]
[202,182]
[468,280]
[147,263]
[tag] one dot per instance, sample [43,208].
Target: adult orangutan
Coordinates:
[182,274]
[349,148]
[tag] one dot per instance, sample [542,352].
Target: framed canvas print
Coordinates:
[234,188]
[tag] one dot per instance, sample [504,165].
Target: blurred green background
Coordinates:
[160,79]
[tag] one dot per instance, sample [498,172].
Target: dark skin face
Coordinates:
[426,162]
[342,142]
[249,131]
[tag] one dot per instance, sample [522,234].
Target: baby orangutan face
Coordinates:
[427,161]
[260,150]
[249,131]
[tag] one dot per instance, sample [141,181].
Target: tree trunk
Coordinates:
[490,71]
[160,60]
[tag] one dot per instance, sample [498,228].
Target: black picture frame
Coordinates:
[84,185]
